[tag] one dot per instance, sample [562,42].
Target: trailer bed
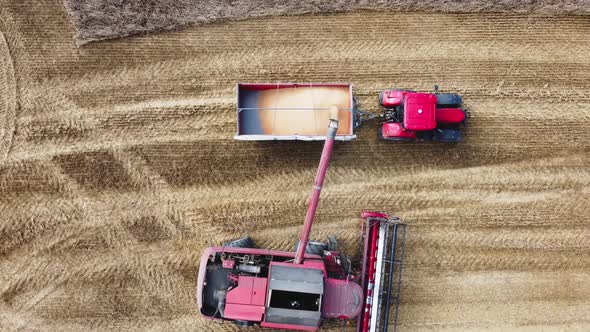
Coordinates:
[293,111]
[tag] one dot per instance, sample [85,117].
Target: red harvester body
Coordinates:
[297,290]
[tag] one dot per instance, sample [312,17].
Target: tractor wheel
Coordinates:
[447,135]
[426,136]
[314,247]
[243,323]
[448,100]
[380,98]
[245,242]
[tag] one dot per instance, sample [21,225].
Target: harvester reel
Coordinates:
[244,242]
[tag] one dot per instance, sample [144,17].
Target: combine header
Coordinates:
[297,290]
[298,111]
[382,257]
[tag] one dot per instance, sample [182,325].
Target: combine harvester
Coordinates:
[292,111]
[297,290]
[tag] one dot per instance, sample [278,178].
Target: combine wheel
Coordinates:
[314,247]
[245,242]
[448,100]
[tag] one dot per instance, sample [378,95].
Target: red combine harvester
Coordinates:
[297,290]
[298,111]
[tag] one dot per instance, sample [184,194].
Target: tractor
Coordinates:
[410,115]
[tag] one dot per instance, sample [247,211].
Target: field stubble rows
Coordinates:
[122,168]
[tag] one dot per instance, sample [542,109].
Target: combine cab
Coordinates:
[298,290]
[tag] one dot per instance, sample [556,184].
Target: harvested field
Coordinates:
[107,19]
[117,165]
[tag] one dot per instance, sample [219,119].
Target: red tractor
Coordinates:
[411,115]
[297,290]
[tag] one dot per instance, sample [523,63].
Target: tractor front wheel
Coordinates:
[448,100]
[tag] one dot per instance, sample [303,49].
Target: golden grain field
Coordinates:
[117,165]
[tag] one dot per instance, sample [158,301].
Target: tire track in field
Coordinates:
[140,174]
[8,98]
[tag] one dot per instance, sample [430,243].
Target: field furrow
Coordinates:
[118,165]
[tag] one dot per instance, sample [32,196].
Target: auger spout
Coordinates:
[317,189]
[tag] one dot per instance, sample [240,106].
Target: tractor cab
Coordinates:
[419,111]
[414,111]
